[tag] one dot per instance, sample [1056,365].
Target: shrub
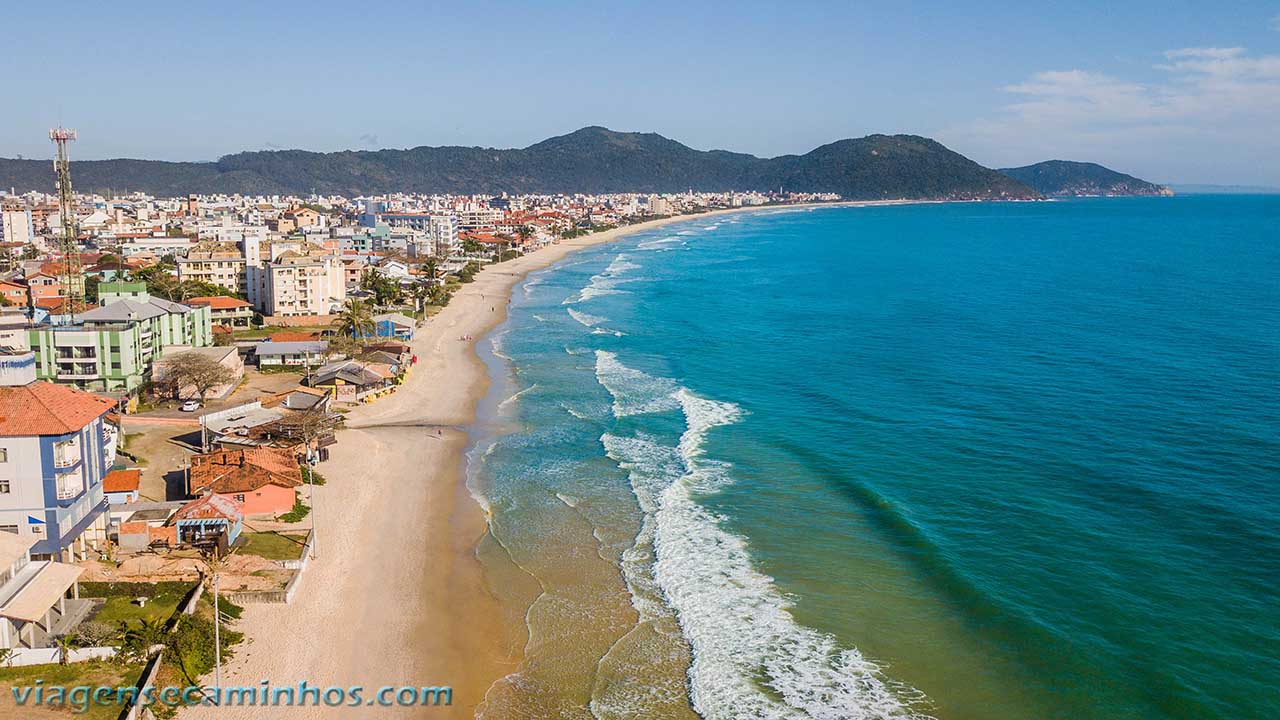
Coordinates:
[298,512]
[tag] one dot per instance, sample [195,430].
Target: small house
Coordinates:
[259,480]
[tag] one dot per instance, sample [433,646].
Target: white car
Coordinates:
[190,406]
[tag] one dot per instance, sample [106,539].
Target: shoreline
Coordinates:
[398,593]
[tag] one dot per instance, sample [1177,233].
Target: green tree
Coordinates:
[385,290]
[91,289]
[437,295]
[356,320]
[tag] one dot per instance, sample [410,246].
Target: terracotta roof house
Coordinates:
[121,486]
[260,480]
[225,310]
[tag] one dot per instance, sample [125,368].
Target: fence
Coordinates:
[20,657]
[284,596]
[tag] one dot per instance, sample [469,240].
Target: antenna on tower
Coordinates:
[67,213]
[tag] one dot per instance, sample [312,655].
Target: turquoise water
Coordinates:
[959,461]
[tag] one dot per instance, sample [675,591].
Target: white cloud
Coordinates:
[1211,102]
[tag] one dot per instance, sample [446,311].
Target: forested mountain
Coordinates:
[592,159]
[1063,178]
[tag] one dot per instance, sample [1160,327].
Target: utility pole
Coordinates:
[315,505]
[217,635]
[67,214]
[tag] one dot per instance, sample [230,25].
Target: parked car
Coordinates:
[190,406]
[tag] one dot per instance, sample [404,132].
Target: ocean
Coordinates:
[960,461]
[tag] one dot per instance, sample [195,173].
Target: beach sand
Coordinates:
[398,594]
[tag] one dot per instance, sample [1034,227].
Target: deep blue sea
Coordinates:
[964,461]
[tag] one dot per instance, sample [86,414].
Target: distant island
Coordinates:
[1063,178]
[590,160]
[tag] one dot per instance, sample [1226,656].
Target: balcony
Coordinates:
[70,486]
[86,352]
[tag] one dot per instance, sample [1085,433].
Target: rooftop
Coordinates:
[118,481]
[219,302]
[292,348]
[43,408]
[244,470]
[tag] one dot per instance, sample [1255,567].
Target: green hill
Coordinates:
[592,159]
[1063,178]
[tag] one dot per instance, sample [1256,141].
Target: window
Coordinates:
[238,498]
[4,455]
[66,453]
[9,529]
[5,489]
[70,485]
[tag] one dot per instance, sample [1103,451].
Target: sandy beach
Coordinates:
[397,595]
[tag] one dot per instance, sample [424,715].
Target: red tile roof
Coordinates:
[239,471]
[43,408]
[208,507]
[218,302]
[58,304]
[118,481]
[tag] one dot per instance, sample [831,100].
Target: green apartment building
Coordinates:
[111,348]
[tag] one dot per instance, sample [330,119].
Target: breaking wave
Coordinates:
[606,282]
[751,659]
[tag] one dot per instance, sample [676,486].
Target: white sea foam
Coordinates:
[607,331]
[532,283]
[735,619]
[502,406]
[586,319]
[606,282]
[634,392]
[576,413]
[660,243]
[498,343]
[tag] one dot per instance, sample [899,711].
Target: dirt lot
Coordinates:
[254,385]
[163,449]
[242,572]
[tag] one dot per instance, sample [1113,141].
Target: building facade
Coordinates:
[298,283]
[221,264]
[112,348]
[55,449]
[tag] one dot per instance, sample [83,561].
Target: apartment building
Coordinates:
[55,448]
[112,348]
[309,281]
[17,226]
[216,263]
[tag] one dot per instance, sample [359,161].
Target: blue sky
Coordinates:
[1173,92]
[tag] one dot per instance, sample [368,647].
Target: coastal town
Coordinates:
[175,374]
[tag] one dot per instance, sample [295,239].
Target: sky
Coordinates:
[1170,91]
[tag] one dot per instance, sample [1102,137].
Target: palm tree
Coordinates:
[437,295]
[428,268]
[356,320]
[65,644]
